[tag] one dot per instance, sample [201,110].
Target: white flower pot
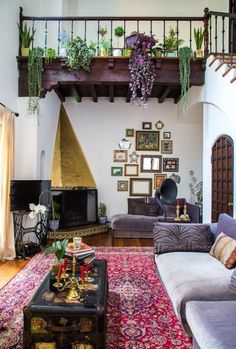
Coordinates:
[117,52]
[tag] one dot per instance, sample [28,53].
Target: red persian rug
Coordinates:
[139,314]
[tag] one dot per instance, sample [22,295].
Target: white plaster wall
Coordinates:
[219,119]
[99,127]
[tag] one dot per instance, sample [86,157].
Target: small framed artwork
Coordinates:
[151,163]
[159,125]
[129,132]
[166,147]
[166,135]
[120,155]
[122,185]
[158,179]
[147,140]
[116,171]
[170,164]
[140,187]
[131,169]
[146,125]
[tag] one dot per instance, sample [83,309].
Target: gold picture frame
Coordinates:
[131,170]
[140,187]
[147,140]
[158,180]
[120,155]
[167,146]
[122,185]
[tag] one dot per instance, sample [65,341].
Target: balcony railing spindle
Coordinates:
[190,29]
[85,30]
[223,36]
[216,32]
[46,35]
[72,30]
[58,36]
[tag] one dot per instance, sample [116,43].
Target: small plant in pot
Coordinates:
[172,43]
[105,46]
[55,216]
[102,213]
[26,38]
[119,32]
[50,54]
[59,248]
[198,37]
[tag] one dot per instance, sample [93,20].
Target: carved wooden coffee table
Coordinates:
[51,323]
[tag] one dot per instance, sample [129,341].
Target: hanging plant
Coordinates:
[142,69]
[35,69]
[78,54]
[185,55]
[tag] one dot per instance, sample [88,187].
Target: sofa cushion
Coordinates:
[227,225]
[169,237]
[133,222]
[139,207]
[224,249]
[193,276]
[212,323]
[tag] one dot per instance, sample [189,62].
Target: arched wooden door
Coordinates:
[222,177]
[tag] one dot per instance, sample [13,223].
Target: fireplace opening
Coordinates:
[78,206]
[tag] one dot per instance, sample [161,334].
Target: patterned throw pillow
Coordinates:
[224,249]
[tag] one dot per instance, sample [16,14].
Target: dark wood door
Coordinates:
[222,177]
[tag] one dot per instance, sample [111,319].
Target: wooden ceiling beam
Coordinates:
[111,93]
[75,93]
[164,94]
[94,93]
[59,94]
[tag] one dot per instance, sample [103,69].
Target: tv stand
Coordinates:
[40,230]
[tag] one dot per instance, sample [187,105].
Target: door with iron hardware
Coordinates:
[222,177]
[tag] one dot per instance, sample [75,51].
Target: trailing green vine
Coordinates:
[78,54]
[35,69]
[185,55]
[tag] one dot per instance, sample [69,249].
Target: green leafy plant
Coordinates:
[185,56]
[102,210]
[55,213]
[119,32]
[78,54]
[35,69]
[198,37]
[26,35]
[50,54]
[92,48]
[171,42]
[58,247]
[105,45]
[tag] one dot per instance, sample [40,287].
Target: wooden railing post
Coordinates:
[20,24]
[206,31]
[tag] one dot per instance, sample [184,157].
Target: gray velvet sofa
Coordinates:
[198,285]
[142,214]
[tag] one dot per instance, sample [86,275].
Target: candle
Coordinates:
[59,271]
[82,272]
[65,264]
[86,267]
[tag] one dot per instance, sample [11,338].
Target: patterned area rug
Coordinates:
[139,314]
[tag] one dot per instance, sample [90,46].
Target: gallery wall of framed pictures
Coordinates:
[143,159]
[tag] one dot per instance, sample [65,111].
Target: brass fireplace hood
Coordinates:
[70,168]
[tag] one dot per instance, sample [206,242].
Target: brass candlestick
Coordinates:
[177,213]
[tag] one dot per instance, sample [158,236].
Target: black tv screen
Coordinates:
[25,192]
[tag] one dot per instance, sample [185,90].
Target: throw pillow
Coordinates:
[224,249]
[233,279]
[227,225]
[142,208]
[173,237]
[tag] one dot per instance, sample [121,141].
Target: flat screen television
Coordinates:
[25,192]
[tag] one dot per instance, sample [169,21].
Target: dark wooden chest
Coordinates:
[52,323]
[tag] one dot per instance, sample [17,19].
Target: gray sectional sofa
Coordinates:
[198,285]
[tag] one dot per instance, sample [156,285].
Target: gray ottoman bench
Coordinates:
[212,324]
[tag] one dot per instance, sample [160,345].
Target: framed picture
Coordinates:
[120,155]
[159,125]
[129,132]
[170,164]
[166,147]
[151,163]
[147,140]
[131,169]
[116,171]
[122,185]
[166,135]
[158,179]
[140,187]
[146,125]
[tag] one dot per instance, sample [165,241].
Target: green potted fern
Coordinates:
[26,38]
[172,43]
[198,37]
[102,213]
[105,46]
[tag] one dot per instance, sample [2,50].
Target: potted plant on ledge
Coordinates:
[102,213]
[26,38]
[55,216]
[198,37]
[119,32]
[172,43]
